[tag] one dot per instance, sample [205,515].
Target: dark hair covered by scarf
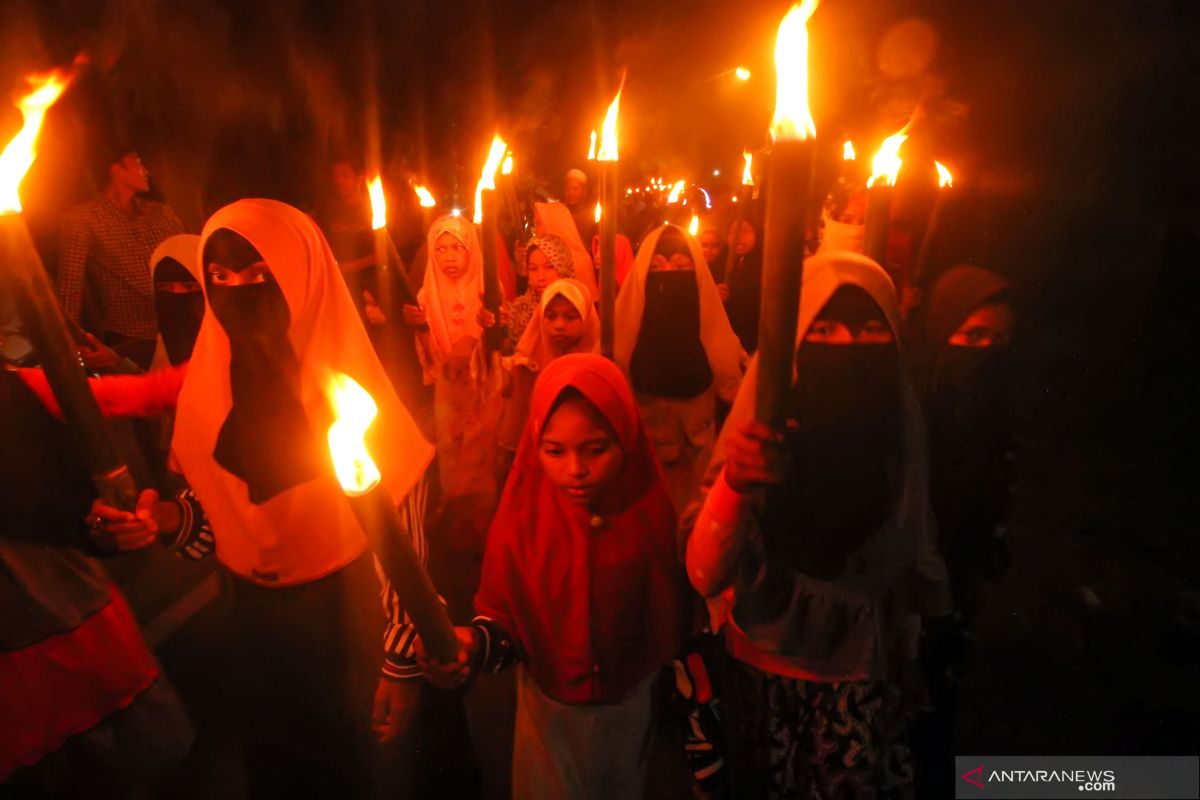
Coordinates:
[265,439]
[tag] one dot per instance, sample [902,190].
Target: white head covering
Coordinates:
[534,350]
[555,218]
[451,306]
[721,345]
[309,530]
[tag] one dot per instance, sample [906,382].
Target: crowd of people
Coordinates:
[784,608]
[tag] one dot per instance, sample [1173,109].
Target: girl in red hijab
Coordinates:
[582,585]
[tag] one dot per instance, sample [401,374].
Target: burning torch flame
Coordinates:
[694,225]
[748,170]
[676,191]
[608,133]
[944,176]
[598,212]
[592,147]
[424,196]
[354,410]
[885,166]
[793,120]
[507,167]
[18,156]
[848,153]
[378,204]
[742,74]
[487,178]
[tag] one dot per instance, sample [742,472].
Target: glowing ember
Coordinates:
[944,176]
[748,170]
[608,133]
[354,410]
[848,153]
[507,167]
[676,191]
[742,74]
[592,147]
[793,119]
[18,156]
[885,166]
[694,225]
[378,204]
[598,213]
[487,178]
[424,196]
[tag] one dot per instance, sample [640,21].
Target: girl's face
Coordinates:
[579,452]
[988,326]
[742,239]
[562,324]
[222,275]
[677,261]
[541,272]
[710,245]
[451,256]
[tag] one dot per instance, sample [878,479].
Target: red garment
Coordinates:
[148,395]
[594,609]
[624,256]
[69,682]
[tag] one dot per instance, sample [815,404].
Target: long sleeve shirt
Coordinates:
[117,245]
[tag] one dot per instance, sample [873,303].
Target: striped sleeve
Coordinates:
[399,634]
[195,538]
[496,648]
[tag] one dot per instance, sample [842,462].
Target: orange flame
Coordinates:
[848,153]
[944,176]
[19,154]
[676,191]
[507,167]
[608,133]
[694,225]
[378,204]
[354,410]
[748,170]
[487,178]
[424,196]
[598,214]
[885,166]
[793,119]
[592,147]
[742,74]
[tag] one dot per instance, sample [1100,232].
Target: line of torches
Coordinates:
[786,167]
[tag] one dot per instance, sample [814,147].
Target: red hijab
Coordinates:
[594,599]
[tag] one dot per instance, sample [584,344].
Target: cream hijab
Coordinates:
[309,530]
[724,350]
[451,306]
[554,218]
[534,350]
[181,247]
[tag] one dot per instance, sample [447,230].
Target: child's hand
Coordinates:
[372,311]
[394,708]
[114,530]
[485,318]
[414,316]
[452,674]
[754,457]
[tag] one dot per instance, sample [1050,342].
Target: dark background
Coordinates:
[1071,127]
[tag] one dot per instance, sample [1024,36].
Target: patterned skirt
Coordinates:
[789,738]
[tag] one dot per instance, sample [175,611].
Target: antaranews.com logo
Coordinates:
[1165,777]
[1086,780]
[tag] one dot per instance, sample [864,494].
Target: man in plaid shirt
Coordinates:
[110,241]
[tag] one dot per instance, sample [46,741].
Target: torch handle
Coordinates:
[378,516]
[609,206]
[48,329]
[494,336]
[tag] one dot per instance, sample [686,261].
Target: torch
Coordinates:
[485,216]
[739,214]
[921,267]
[387,259]
[354,411]
[511,204]
[42,313]
[607,156]
[789,172]
[885,167]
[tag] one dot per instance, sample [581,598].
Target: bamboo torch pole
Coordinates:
[607,156]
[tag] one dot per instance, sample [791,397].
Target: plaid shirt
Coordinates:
[113,248]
